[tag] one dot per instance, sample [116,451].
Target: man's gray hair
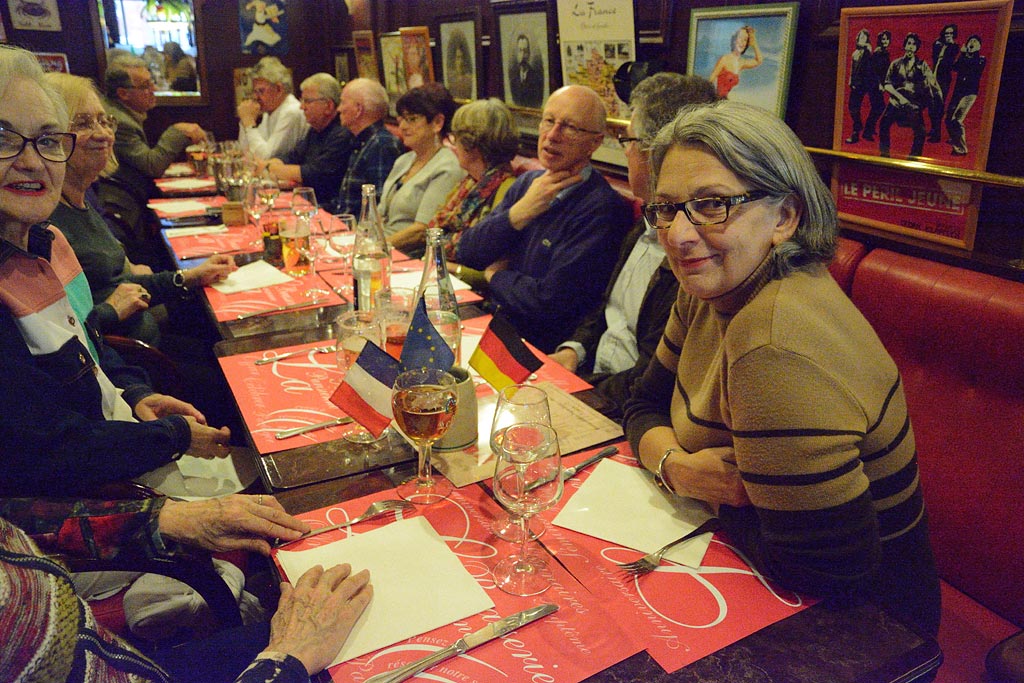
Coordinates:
[117,75]
[658,98]
[371,94]
[271,69]
[326,85]
[16,62]
[763,152]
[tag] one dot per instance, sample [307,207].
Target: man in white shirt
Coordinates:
[283,123]
[614,343]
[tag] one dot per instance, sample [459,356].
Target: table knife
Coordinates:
[289,307]
[569,472]
[291,354]
[288,433]
[466,643]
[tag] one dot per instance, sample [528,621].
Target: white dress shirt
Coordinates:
[278,132]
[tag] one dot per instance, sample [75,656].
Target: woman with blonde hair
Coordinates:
[125,290]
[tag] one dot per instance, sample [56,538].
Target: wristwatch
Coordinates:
[179,281]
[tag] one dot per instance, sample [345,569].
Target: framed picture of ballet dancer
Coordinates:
[746,51]
[366,54]
[419,62]
[917,83]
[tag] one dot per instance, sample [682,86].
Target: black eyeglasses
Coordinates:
[569,130]
[626,139]
[702,211]
[50,146]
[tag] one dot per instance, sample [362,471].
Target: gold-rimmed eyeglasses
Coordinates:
[85,122]
[569,130]
[700,211]
[50,146]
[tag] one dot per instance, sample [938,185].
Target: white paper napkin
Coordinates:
[196,230]
[621,504]
[411,279]
[185,184]
[183,206]
[418,582]
[252,276]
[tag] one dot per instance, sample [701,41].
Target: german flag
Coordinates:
[502,358]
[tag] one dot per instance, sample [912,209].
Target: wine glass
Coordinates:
[424,402]
[269,192]
[518,403]
[394,306]
[338,236]
[304,207]
[527,480]
[355,328]
[304,203]
[254,208]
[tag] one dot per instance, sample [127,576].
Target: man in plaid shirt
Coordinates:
[364,103]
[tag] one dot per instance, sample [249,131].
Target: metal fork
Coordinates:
[651,561]
[376,509]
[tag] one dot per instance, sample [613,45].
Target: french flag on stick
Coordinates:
[365,393]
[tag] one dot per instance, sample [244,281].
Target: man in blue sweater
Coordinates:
[548,249]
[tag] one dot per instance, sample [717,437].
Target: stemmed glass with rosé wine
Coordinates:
[424,402]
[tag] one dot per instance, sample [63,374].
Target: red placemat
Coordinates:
[679,613]
[288,393]
[577,641]
[227,307]
[243,239]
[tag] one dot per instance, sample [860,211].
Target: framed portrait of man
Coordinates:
[460,54]
[524,50]
[746,51]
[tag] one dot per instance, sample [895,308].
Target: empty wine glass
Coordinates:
[518,403]
[269,191]
[304,203]
[424,402]
[527,480]
[338,236]
[254,209]
[355,328]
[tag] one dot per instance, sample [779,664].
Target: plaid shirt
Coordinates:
[374,152]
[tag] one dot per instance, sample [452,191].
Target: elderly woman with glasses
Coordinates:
[123,289]
[770,397]
[422,177]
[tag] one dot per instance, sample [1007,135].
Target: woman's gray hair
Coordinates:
[271,69]
[326,85]
[16,62]
[763,152]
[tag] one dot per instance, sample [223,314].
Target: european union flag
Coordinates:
[424,345]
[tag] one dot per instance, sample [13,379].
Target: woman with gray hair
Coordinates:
[770,397]
[283,123]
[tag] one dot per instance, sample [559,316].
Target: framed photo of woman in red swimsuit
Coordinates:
[745,51]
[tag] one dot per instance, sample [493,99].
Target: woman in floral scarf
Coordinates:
[485,143]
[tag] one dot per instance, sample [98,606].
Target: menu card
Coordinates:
[577,641]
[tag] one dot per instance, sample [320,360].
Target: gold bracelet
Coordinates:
[660,472]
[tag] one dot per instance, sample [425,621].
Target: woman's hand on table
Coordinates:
[235,522]
[127,299]
[314,618]
[710,475]
[214,269]
[207,442]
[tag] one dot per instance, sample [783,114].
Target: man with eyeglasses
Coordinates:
[283,123]
[548,249]
[320,158]
[615,341]
[129,91]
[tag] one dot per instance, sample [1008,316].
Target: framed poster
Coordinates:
[366,54]
[745,51]
[263,25]
[419,61]
[917,82]
[53,61]
[524,46]
[40,15]
[460,53]
[596,39]
[393,60]
[342,67]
